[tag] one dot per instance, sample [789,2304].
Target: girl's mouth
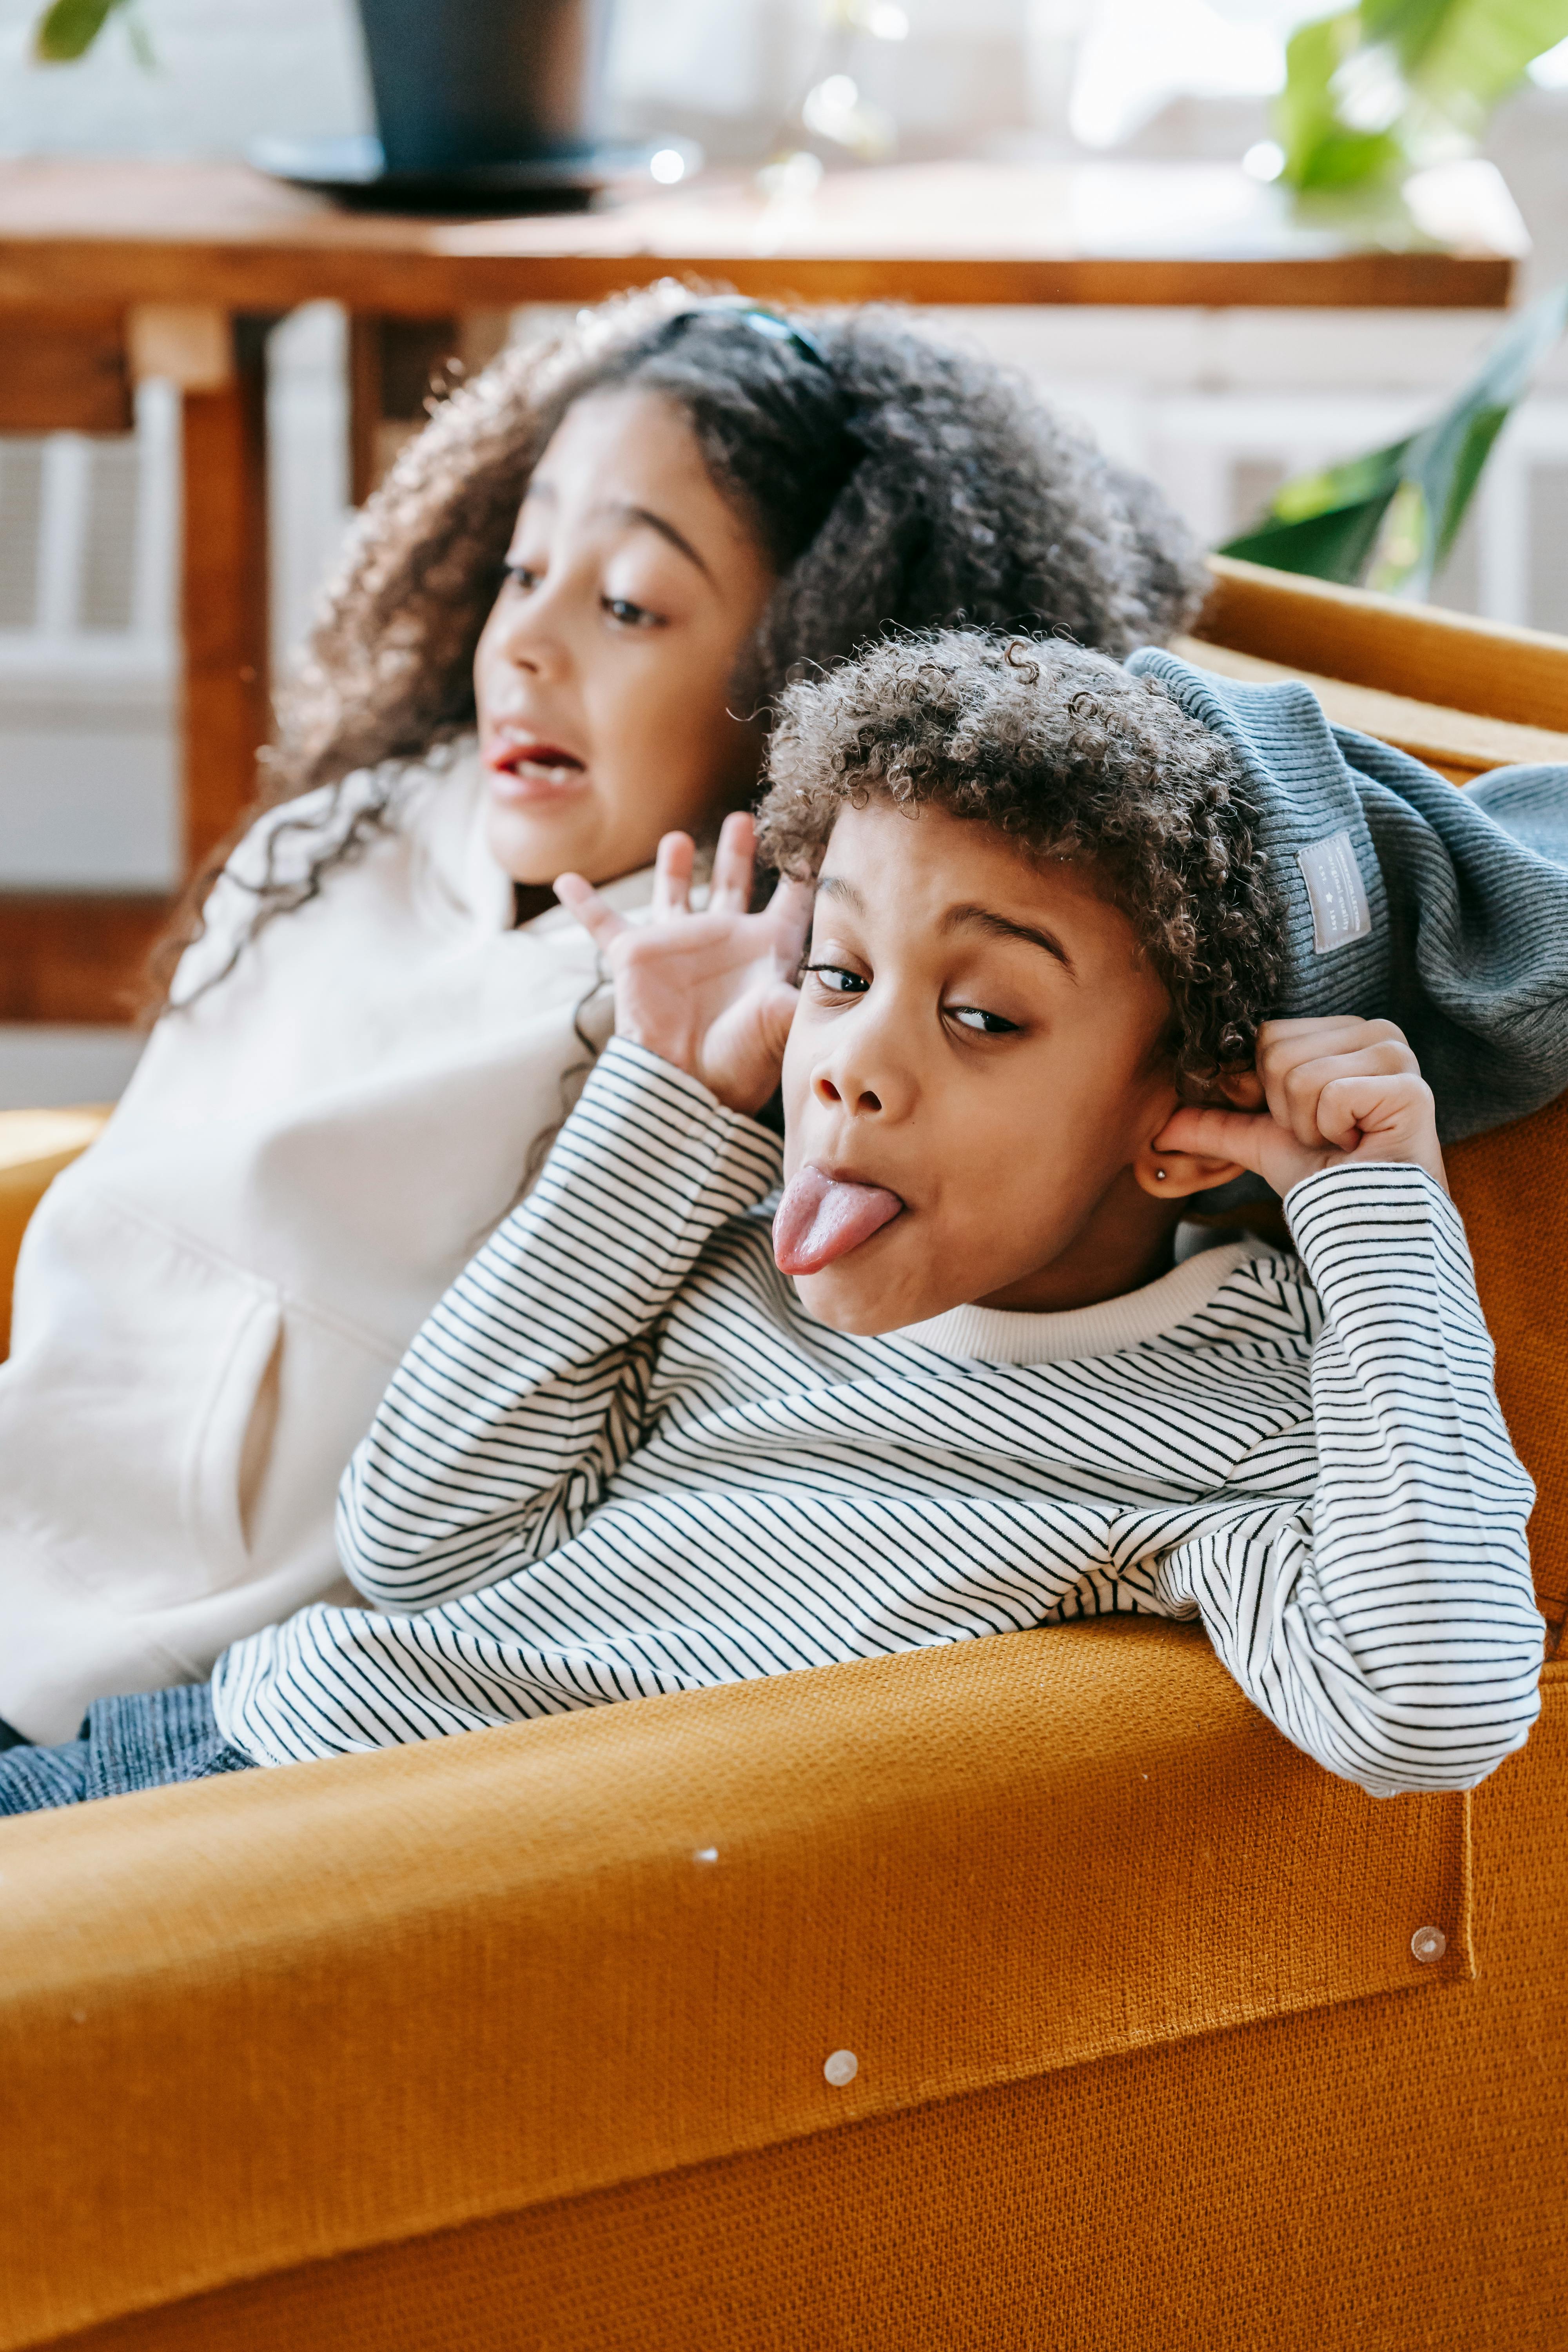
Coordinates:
[525,769]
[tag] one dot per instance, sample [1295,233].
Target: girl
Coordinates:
[557,635]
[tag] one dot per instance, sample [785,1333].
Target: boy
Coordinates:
[663,1433]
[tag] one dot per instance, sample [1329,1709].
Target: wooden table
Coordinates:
[110,272]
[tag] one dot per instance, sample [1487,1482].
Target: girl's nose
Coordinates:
[531,639]
[525,647]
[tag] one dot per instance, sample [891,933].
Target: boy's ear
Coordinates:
[1177,1175]
[1239,1090]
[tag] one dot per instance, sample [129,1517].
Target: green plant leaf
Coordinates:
[1322,152]
[1454,59]
[1399,509]
[1404,548]
[1336,546]
[68,29]
[1447,458]
[1352,158]
[1479,50]
[1470,464]
[1349,484]
[1305,114]
[1409,27]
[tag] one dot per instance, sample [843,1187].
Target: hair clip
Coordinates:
[762,321]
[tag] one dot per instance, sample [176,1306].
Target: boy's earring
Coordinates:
[1159,1175]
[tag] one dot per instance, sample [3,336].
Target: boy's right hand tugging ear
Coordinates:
[1324,1093]
[712,992]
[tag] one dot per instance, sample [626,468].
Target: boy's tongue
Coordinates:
[820,1219]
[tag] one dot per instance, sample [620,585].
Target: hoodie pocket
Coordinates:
[232,1443]
[135,1411]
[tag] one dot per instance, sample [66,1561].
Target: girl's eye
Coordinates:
[628,615]
[989,1025]
[523,576]
[838,981]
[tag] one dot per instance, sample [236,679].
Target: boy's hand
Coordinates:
[1324,1094]
[714,993]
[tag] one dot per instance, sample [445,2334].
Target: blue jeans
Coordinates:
[144,1742]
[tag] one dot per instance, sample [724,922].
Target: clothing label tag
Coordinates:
[1339,911]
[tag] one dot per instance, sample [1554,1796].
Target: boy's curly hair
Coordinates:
[1069,756]
[892,479]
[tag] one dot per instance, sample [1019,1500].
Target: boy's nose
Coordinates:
[867,1073]
[828,1091]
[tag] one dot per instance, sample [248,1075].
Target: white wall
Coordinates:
[225,72]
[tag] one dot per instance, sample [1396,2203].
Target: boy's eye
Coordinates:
[989,1025]
[628,615]
[838,981]
[523,576]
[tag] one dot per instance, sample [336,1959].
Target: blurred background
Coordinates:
[1219,407]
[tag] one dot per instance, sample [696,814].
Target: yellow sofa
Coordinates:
[523,2040]
[35,1145]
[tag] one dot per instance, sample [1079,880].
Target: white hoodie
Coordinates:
[210,1303]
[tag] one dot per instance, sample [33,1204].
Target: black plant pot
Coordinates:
[463,84]
[481,105]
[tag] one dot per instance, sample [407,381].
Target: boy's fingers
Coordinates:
[731,893]
[1305,1042]
[1372,1108]
[777,1014]
[596,914]
[672,874]
[790,911]
[1286,1050]
[1296,1099]
[1211,1134]
[695,949]
[1311,1025]
[1323,1030]
[1340,1106]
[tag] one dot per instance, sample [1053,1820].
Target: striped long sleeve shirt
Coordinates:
[621,1459]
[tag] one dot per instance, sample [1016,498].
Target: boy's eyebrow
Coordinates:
[1002,927]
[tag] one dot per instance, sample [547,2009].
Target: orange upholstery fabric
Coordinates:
[1450,660]
[35,1145]
[1381,2177]
[349,2003]
[1510,1190]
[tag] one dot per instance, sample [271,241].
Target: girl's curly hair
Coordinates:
[1069,756]
[893,480]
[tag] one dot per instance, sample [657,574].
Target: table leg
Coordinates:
[397,369]
[224,594]
[77,957]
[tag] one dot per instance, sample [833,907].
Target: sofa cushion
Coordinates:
[35,1145]
[338,2005]
[1508,1189]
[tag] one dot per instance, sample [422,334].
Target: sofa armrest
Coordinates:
[35,1145]
[281,2015]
